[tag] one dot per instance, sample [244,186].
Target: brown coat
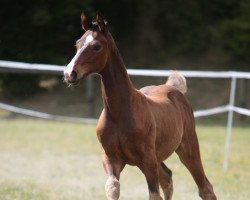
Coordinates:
[137,127]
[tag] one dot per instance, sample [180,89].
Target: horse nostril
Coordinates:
[66,75]
[73,75]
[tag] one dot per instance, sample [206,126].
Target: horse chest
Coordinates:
[123,142]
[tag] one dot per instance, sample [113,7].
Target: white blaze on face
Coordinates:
[70,66]
[89,39]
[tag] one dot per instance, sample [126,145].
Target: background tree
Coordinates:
[194,33]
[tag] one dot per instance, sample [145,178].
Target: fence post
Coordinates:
[90,95]
[243,96]
[230,121]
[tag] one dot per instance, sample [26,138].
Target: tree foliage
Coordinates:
[151,32]
[42,31]
[147,32]
[233,34]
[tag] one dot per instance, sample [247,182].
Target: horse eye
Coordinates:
[97,47]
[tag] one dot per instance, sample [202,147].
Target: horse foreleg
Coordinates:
[112,186]
[165,177]
[151,172]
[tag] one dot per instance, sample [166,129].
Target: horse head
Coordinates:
[91,50]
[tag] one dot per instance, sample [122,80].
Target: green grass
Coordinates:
[41,160]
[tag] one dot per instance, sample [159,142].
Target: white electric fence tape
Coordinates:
[35,68]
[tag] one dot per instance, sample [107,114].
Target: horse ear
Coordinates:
[101,22]
[85,21]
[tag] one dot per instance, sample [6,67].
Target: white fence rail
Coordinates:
[9,66]
[42,115]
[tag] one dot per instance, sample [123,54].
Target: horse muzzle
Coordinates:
[71,77]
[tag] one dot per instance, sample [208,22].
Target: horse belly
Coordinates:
[166,145]
[169,131]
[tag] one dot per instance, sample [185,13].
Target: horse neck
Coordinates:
[117,89]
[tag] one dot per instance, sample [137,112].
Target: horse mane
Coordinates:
[112,44]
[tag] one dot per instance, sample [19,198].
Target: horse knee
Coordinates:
[112,188]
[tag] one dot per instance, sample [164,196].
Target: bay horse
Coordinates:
[137,127]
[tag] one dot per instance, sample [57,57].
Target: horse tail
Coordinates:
[178,81]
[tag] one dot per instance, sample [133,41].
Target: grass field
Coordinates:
[41,160]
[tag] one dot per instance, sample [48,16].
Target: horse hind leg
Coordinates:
[189,154]
[166,183]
